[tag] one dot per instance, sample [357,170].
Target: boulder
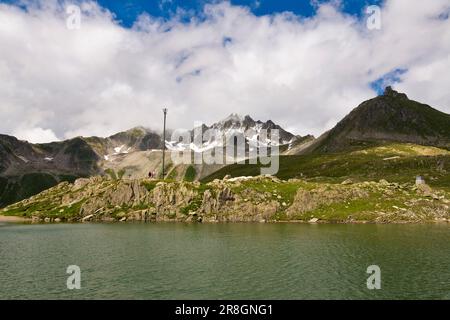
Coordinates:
[87,218]
[346,182]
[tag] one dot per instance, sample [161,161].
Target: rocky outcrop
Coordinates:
[309,200]
[244,199]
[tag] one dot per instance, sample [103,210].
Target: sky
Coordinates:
[303,64]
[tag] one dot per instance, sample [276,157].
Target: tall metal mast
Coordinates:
[164,144]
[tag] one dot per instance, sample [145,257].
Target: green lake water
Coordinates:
[224,261]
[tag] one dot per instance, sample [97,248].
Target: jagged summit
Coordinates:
[234,125]
[389,92]
[233,117]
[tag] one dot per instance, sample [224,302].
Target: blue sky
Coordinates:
[127,11]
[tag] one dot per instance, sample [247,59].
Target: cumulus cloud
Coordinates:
[304,73]
[35,135]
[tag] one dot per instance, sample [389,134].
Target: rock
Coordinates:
[426,190]
[80,183]
[58,220]
[226,195]
[313,220]
[348,181]
[47,219]
[123,219]
[87,218]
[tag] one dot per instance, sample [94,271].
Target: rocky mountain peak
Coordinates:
[233,117]
[391,117]
[389,92]
[248,121]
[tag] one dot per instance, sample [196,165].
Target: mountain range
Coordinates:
[27,169]
[233,127]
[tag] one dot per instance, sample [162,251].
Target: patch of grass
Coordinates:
[149,185]
[45,206]
[190,174]
[167,169]
[142,206]
[121,173]
[74,209]
[111,173]
[172,174]
[193,206]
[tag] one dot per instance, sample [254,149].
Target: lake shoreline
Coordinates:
[18,219]
[14,219]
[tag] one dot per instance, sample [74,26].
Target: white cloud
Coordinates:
[35,135]
[302,73]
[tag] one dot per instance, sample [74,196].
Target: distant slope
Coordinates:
[27,169]
[394,162]
[391,117]
[297,145]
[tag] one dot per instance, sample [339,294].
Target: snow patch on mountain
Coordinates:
[254,133]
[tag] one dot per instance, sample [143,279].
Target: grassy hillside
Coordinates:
[13,189]
[393,162]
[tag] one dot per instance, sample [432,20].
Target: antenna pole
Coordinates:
[164,144]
